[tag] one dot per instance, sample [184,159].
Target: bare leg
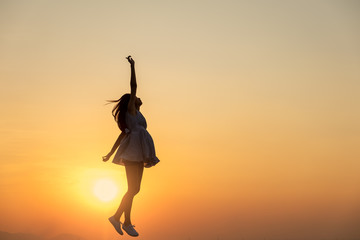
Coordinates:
[134,174]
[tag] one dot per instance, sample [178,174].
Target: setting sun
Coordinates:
[105,190]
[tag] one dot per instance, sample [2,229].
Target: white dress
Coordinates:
[137,145]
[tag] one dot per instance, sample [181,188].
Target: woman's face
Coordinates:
[138,102]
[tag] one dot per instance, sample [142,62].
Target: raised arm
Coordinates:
[133,86]
[116,145]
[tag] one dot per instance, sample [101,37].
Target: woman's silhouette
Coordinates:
[135,150]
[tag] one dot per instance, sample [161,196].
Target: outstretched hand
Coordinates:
[131,61]
[106,158]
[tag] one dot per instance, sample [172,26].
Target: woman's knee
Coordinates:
[134,190]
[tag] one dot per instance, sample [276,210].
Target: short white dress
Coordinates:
[137,145]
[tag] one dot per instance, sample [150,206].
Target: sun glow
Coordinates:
[105,189]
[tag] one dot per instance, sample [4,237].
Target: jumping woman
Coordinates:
[135,150]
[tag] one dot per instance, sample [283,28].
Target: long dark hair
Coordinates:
[120,109]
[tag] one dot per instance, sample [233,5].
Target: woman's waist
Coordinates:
[137,130]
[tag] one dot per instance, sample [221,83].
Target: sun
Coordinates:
[105,189]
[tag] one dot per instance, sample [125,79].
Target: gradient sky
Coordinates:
[254,107]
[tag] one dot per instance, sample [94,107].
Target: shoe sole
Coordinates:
[129,233]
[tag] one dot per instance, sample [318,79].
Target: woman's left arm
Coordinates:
[133,86]
[116,145]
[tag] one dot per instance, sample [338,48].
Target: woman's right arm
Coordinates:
[133,86]
[116,145]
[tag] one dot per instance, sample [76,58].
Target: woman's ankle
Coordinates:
[127,223]
[117,218]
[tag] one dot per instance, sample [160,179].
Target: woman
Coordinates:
[135,150]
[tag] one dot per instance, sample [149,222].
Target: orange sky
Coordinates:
[253,107]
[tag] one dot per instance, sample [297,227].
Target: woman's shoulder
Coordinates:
[132,114]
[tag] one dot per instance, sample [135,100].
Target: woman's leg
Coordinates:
[134,174]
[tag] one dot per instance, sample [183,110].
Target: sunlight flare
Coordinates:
[105,189]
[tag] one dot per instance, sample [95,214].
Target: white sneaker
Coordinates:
[116,224]
[129,229]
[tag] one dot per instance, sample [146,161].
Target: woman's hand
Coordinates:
[131,61]
[106,158]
